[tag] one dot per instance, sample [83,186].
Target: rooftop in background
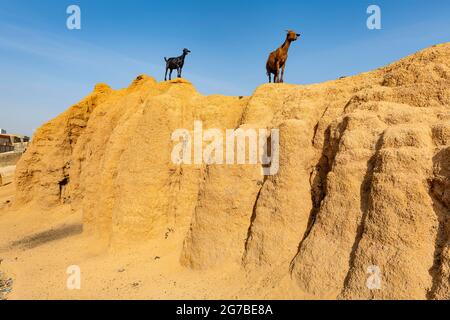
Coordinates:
[13,142]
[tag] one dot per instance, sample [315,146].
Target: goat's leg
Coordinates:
[270,77]
[170,74]
[165,77]
[282,73]
[179,72]
[277,73]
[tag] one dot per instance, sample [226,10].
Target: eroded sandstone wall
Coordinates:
[363,179]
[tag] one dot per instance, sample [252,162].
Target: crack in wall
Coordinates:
[438,183]
[365,206]
[252,220]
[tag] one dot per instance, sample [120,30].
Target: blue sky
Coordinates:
[45,67]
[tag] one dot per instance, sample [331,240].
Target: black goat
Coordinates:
[175,63]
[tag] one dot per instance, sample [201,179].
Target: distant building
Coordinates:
[12,142]
[2,131]
[6,144]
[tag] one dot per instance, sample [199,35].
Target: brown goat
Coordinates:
[277,59]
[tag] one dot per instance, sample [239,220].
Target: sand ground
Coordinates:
[37,247]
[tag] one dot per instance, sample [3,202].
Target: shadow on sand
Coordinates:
[54,234]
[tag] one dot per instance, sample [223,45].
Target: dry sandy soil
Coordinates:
[37,247]
[364,183]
